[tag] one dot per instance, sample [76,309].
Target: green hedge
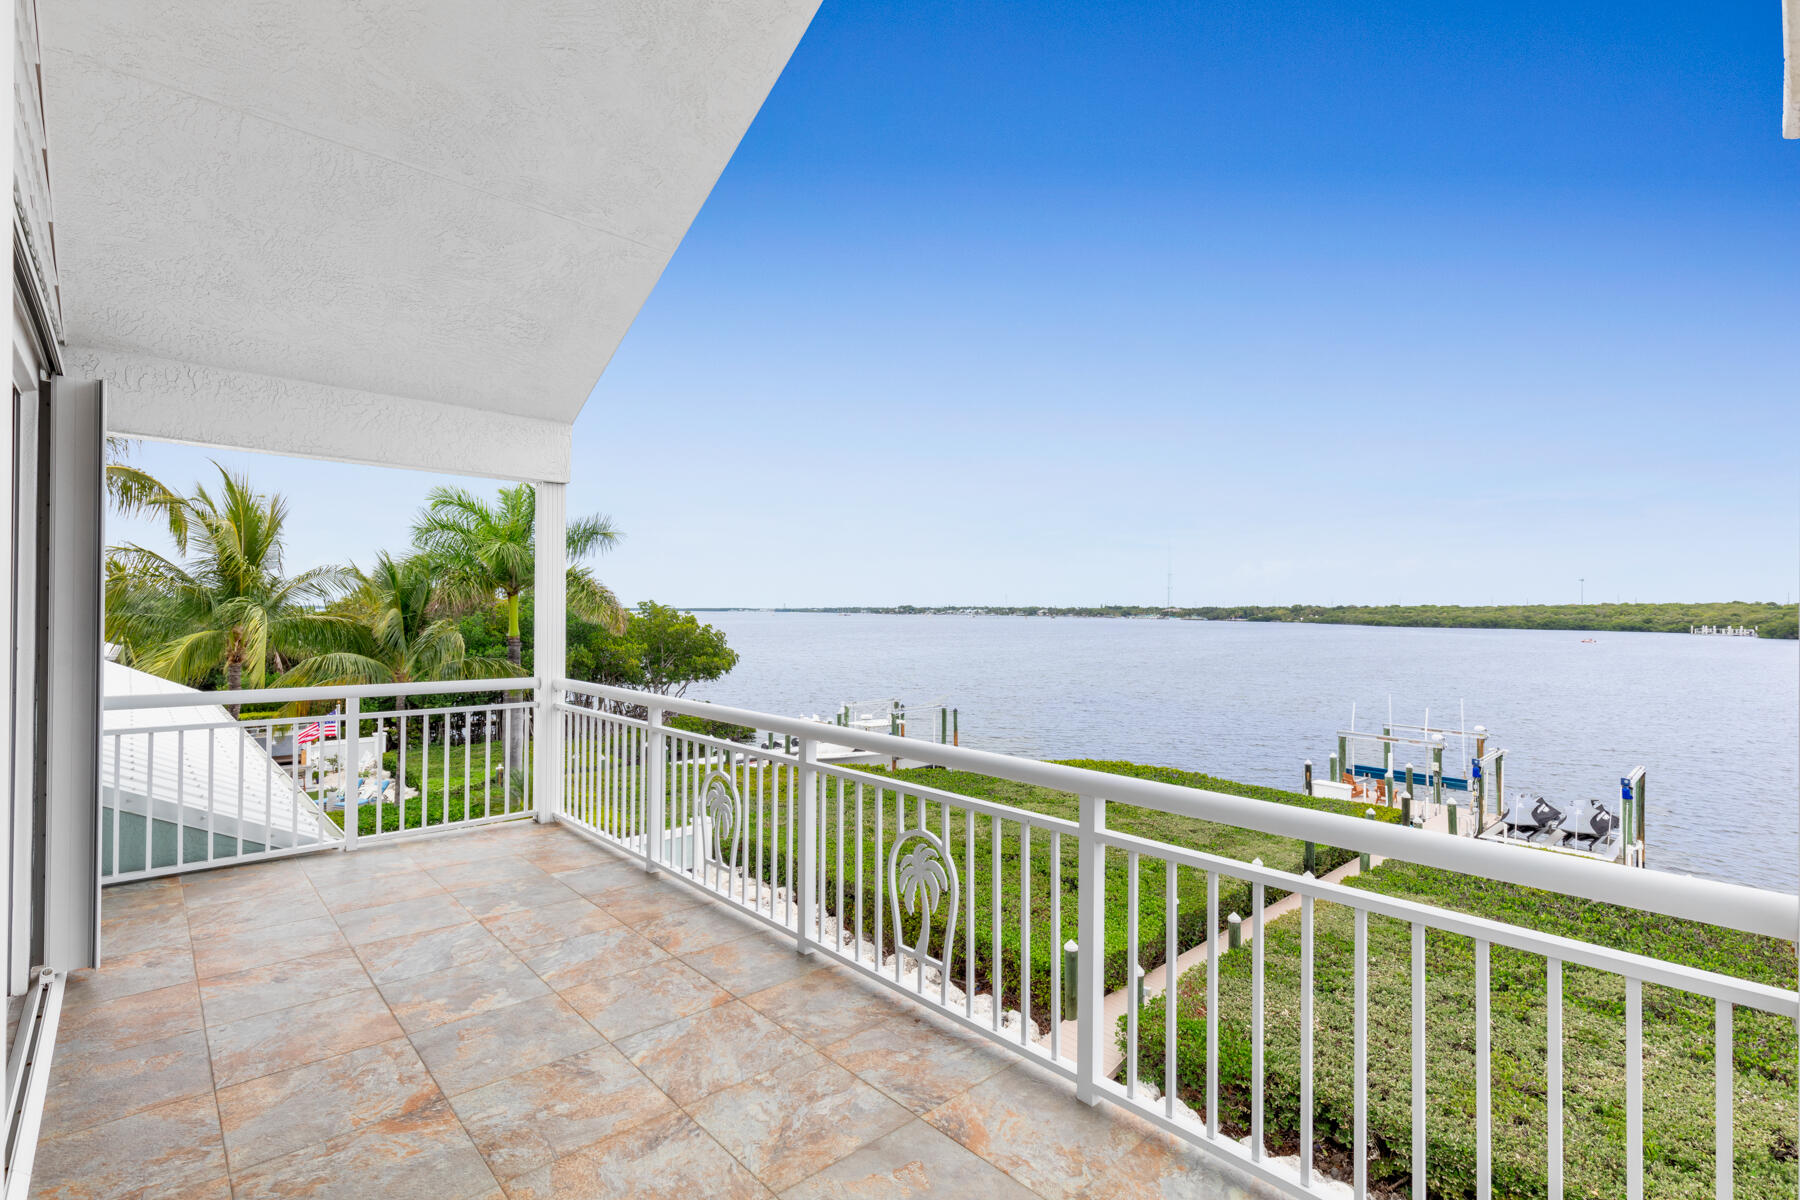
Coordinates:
[1678,1046]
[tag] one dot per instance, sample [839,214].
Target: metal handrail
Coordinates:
[1728,905]
[307,695]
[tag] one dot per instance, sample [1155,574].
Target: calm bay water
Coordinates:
[1713,719]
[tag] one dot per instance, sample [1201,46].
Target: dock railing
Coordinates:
[941,895]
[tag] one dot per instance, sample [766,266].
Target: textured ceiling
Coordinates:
[455,201]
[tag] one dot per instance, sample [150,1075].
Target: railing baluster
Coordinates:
[1212,1004]
[1056,946]
[857,951]
[837,943]
[1418,1061]
[181,804]
[1553,1073]
[1484,1067]
[1256,1022]
[944,972]
[1360,1067]
[118,797]
[1634,1088]
[1306,1037]
[212,791]
[1131,973]
[969,913]
[1171,951]
[1025,1024]
[1723,1073]
[880,878]
[996,958]
[149,796]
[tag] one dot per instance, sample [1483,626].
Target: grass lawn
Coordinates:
[1678,1046]
[442,796]
[770,829]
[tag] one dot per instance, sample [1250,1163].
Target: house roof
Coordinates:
[195,766]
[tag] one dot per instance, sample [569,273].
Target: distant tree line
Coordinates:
[1770,619]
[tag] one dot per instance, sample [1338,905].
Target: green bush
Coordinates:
[1678,1045]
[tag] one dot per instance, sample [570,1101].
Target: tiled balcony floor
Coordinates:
[517,1012]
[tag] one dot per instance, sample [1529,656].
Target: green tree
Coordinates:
[133,490]
[228,607]
[412,636]
[486,554]
[661,650]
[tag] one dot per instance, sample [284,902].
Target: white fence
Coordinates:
[184,785]
[909,884]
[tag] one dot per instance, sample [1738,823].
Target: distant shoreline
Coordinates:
[1770,620]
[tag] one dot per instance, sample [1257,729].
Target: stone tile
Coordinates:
[374,891]
[1162,1167]
[161,1151]
[364,925]
[512,895]
[462,991]
[797,1119]
[591,957]
[916,1062]
[228,998]
[1029,1124]
[646,901]
[292,1037]
[155,929]
[478,1050]
[914,1160]
[212,1189]
[753,963]
[621,1005]
[128,974]
[528,1120]
[413,954]
[143,1017]
[478,871]
[106,1084]
[256,915]
[143,897]
[275,1114]
[822,1007]
[669,1158]
[420,1155]
[700,928]
[552,923]
[561,851]
[239,950]
[324,869]
[608,875]
[243,884]
[711,1050]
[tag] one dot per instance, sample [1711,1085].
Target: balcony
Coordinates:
[518,1007]
[741,966]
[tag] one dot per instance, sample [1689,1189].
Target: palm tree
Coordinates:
[228,606]
[486,553]
[133,490]
[412,637]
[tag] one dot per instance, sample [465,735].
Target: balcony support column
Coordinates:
[549,608]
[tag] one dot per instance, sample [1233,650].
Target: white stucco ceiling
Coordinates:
[462,202]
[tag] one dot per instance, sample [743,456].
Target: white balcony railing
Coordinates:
[959,902]
[184,785]
[885,877]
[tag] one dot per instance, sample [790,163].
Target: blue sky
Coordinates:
[1353,303]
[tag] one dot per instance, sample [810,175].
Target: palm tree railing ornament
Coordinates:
[921,873]
[724,811]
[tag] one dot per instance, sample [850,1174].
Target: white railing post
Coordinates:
[1090,954]
[352,775]
[809,844]
[656,751]
[547,765]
